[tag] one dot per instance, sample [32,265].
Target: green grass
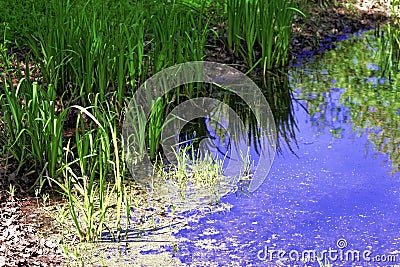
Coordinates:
[93,55]
[93,171]
[389,43]
[100,48]
[32,127]
[264,24]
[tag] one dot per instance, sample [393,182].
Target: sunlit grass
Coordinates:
[85,50]
[264,24]
[88,169]
[32,128]
[92,56]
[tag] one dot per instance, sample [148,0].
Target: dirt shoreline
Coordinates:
[23,222]
[23,227]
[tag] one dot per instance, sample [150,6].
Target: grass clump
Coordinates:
[263,24]
[33,128]
[92,57]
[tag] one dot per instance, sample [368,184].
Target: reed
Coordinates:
[32,126]
[93,171]
[264,24]
[88,49]
[95,54]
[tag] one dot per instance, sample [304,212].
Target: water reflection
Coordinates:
[347,85]
[275,88]
[335,187]
[200,132]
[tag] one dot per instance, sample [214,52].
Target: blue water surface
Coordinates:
[335,193]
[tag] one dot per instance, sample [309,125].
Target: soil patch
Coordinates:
[23,230]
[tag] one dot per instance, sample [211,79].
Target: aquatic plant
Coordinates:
[32,127]
[93,171]
[264,24]
[92,56]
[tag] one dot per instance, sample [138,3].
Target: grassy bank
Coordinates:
[62,112]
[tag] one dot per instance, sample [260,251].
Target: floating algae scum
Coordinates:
[197,180]
[339,191]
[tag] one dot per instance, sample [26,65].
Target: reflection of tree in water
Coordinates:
[380,120]
[325,110]
[346,85]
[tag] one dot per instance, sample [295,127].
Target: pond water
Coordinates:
[336,190]
[338,194]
